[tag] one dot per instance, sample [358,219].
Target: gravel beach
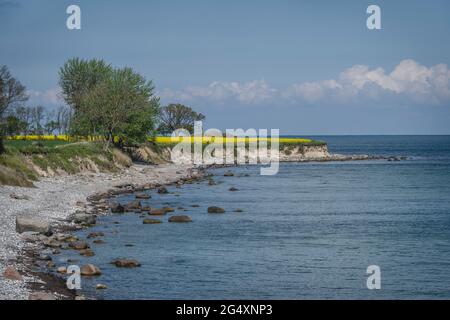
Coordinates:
[54,199]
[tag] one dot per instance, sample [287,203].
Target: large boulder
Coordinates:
[90,270]
[27,223]
[181,219]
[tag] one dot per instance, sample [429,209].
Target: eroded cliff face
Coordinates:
[304,153]
[293,153]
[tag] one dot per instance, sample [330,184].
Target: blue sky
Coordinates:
[305,67]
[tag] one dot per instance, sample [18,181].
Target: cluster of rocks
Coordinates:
[50,238]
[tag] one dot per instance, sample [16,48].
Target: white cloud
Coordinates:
[51,96]
[409,80]
[252,92]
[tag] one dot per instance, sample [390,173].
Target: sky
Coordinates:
[304,67]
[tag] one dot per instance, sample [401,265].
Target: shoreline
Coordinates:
[53,200]
[87,194]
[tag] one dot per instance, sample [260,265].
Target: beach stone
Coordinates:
[30,236]
[18,197]
[151,221]
[162,190]
[80,204]
[99,241]
[143,196]
[228,174]
[95,235]
[79,245]
[157,212]
[181,219]
[211,182]
[168,209]
[52,243]
[80,218]
[238,210]
[90,270]
[44,257]
[101,287]
[41,296]
[116,207]
[215,209]
[126,263]
[87,253]
[232,189]
[195,206]
[26,223]
[50,264]
[62,270]
[11,273]
[136,204]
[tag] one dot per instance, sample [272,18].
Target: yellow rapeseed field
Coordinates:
[165,139]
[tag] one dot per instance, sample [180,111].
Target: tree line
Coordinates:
[117,104]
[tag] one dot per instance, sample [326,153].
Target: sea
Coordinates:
[315,230]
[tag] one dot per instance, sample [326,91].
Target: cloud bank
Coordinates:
[409,80]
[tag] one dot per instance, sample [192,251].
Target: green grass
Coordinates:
[17,163]
[20,144]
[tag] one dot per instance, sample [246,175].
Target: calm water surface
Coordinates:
[309,232]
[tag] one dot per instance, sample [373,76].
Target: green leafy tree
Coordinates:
[15,126]
[116,103]
[178,116]
[77,78]
[12,93]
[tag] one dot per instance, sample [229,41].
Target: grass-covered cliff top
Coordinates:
[24,161]
[28,158]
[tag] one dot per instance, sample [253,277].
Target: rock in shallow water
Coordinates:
[182,218]
[79,245]
[90,270]
[116,207]
[162,190]
[151,221]
[142,196]
[101,287]
[215,209]
[157,212]
[126,263]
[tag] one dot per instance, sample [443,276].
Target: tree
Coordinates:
[37,117]
[107,101]
[14,126]
[123,107]
[78,77]
[178,116]
[63,116]
[12,93]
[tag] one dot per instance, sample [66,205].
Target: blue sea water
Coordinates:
[309,232]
